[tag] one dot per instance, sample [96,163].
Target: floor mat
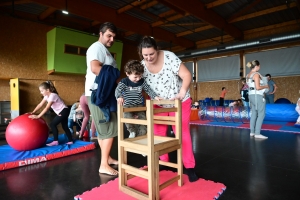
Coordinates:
[267,125]
[11,158]
[201,189]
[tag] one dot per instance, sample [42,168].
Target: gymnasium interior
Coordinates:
[213,38]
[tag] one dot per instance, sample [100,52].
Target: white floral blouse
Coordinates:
[166,83]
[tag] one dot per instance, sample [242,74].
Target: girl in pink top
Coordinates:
[50,94]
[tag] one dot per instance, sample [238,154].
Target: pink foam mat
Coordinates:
[201,189]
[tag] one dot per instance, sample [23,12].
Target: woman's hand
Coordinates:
[180,95]
[158,98]
[33,117]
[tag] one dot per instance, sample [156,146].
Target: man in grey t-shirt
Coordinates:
[272,89]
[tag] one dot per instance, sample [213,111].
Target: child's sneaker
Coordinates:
[132,135]
[54,143]
[68,143]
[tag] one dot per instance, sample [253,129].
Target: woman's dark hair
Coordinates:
[223,88]
[252,64]
[134,67]
[48,85]
[108,26]
[146,42]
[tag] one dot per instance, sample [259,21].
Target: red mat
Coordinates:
[201,189]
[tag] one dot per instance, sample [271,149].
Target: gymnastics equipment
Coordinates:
[282,101]
[274,112]
[150,145]
[225,114]
[24,133]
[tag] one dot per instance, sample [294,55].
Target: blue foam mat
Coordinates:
[8,154]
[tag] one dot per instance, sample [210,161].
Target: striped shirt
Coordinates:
[132,92]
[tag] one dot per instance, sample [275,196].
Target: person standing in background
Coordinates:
[272,89]
[222,96]
[256,98]
[84,106]
[244,92]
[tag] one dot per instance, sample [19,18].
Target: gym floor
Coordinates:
[251,169]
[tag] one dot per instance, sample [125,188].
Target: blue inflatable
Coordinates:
[283,101]
[274,112]
[281,112]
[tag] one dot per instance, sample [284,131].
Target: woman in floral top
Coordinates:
[170,79]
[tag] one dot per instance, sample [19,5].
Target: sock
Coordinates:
[192,174]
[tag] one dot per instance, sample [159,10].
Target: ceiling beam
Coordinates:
[263,12]
[256,31]
[169,4]
[46,13]
[130,5]
[215,40]
[167,13]
[9,3]
[185,24]
[244,10]
[271,27]
[203,28]
[169,19]
[148,5]
[217,3]
[98,12]
[198,9]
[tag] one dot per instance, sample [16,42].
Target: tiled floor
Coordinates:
[250,168]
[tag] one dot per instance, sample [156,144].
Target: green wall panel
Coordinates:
[61,62]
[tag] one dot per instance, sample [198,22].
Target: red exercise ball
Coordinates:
[25,134]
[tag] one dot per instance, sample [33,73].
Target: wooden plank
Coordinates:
[160,110]
[168,118]
[169,182]
[134,121]
[164,122]
[135,171]
[134,109]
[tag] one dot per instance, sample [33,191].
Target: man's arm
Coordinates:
[275,88]
[96,66]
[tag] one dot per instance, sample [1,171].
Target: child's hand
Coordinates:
[135,116]
[158,98]
[120,100]
[33,117]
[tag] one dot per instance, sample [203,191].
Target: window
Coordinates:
[76,50]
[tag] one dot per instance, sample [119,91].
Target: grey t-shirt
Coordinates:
[271,84]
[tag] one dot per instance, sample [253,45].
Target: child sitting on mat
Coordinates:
[129,94]
[298,110]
